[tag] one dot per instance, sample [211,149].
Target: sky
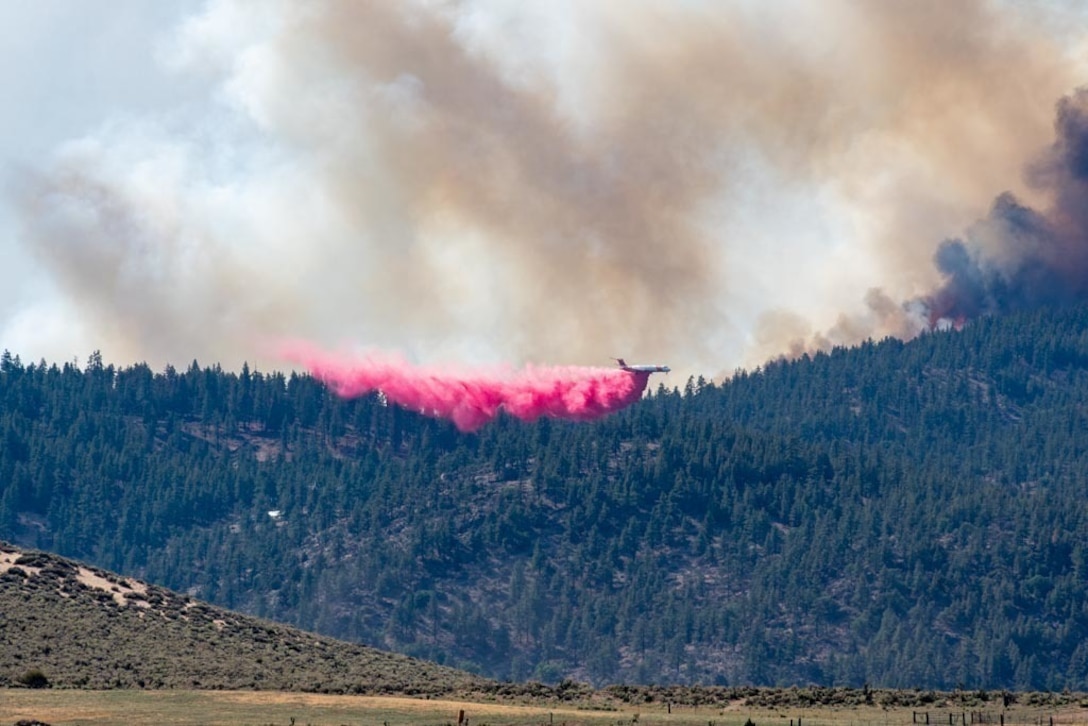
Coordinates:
[707,185]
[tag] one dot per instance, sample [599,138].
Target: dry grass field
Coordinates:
[174,708]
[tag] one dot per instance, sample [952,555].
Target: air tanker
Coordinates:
[641,368]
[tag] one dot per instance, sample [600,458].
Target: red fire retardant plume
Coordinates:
[472,398]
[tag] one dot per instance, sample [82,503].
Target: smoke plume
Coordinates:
[472,398]
[1020,258]
[552,181]
[1016,258]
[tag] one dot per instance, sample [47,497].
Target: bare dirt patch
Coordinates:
[119,591]
[7,561]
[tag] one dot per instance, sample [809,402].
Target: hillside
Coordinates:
[81,626]
[899,514]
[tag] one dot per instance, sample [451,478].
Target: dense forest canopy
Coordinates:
[900,514]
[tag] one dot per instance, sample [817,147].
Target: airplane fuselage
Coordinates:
[641,368]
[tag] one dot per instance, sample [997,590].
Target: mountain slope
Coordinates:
[900,514]
[81,626]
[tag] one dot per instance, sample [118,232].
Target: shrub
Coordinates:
[33,678]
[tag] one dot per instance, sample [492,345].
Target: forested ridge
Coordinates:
[899,514]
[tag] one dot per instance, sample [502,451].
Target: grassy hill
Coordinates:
[69,625]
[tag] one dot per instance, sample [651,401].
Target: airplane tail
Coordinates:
[622,363]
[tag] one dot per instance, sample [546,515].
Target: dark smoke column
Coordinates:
[1018,258]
